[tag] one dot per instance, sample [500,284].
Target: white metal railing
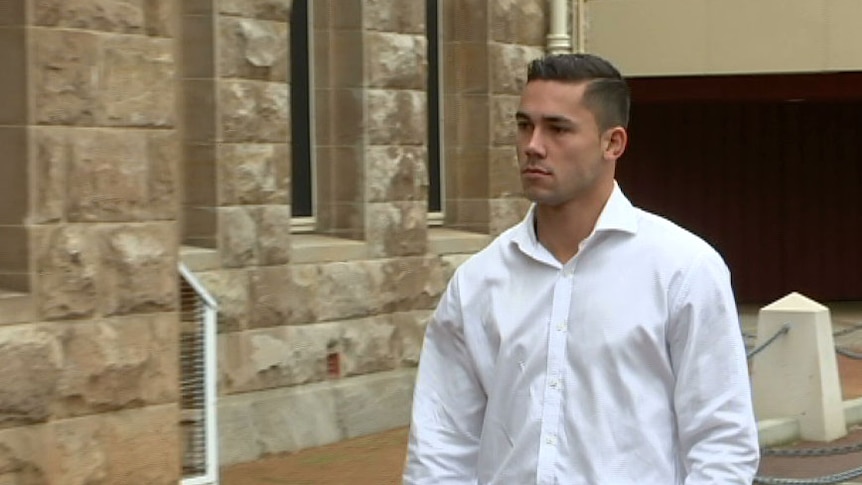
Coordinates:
[198,318]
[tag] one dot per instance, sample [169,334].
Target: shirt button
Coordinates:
[551,440]
[555,383]
[561,327]
[568,272]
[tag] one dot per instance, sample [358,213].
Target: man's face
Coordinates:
[562,153]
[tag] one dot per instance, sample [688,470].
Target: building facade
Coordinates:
[277,149]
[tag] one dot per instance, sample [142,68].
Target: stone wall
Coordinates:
[88,378]
[142,133]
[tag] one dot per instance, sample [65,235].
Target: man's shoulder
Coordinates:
[666,237]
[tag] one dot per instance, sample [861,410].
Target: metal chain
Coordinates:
[826,479]
[848,353]
[848,330]
[784,329]
[809,452]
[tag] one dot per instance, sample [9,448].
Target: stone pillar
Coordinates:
[396,189]
[517,36]
[797,375]
[88,394]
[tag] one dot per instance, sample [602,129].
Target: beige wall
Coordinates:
[680,37]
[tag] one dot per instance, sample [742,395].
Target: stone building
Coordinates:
[280,151]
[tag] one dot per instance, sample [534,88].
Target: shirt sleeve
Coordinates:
[712,397]
[448,403]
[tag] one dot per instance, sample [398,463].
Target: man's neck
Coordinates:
[562,228]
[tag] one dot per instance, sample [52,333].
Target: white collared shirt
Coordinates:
[625,365]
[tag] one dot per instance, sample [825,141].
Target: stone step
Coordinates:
[16,307]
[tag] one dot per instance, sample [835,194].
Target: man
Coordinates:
[593,343]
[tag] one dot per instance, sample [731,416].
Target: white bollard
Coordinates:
[797,375]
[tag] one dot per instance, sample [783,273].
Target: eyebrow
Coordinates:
[521,115]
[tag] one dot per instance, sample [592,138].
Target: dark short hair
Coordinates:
[607,95]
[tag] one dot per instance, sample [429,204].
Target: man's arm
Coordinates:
[712,398]
[448,403]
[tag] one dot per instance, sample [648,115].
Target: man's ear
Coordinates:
[614,143]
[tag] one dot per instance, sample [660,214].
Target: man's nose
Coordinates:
[535,145]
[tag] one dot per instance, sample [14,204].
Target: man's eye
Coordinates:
[523,125]
[559,129]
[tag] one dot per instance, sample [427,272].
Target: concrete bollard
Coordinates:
[797,375]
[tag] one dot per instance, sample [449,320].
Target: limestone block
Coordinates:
[159,17]
[30,362]
[346,290]
[519,21]
[138,271]
[66,267]
[410,283]
[451,263]
[503,108]
[368,345]
[139,446]
[253,49]
[374,403]
[22,457]
[296,418]
[410,333]
[64,73]
[505,213]
[118,363]
[394,16]
[396,173]
[398,117]
[260,9]
[504,175]
[273,233]
[509,66]
[797,375]
[123,16]
[237,234]
[108,176]
[396,61]
[274,357]
[397,228]
[230,288]
[276,421]
[282,295]
[254,111]
[137,82]
[50,159]
[253,173]
[164,154]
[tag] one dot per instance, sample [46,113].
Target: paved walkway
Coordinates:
[377,459]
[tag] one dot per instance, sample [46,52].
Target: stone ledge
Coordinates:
[289,419]
[317,248]
[199,259]
[775,432]
[442,240]
[16,307]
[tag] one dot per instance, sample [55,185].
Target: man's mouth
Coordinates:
[535,171]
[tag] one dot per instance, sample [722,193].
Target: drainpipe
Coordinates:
[559,40]
[581,25]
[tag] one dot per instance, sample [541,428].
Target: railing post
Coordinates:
[797,375]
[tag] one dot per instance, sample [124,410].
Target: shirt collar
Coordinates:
[618,214]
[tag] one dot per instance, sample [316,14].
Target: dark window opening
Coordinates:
[434,140]
[302,190]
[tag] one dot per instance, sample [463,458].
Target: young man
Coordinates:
[593,343]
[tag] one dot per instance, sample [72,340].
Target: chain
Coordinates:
[848,330]
[827,479]
[848,353]
[808,452]
[784,329]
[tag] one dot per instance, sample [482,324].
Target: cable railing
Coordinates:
[835,478]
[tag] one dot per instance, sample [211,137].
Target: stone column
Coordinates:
[89,393]
[517,34]
[396,189]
